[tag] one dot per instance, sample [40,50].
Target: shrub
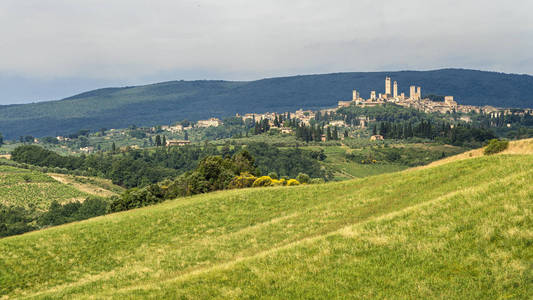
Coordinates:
[292,182]
[495,146]
[242,181]
[262,181]
[303,178]
[26,177]
[316,181]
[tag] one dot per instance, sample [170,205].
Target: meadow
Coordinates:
[456,230]
[343,166]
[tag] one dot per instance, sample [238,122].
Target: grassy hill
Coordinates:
[456,230]
[27,188]
[167,102]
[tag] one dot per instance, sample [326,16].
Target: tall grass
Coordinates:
[460,230]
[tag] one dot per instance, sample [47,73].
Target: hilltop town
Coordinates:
[332,119]
[448,108]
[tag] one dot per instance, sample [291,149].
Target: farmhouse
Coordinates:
[177,142]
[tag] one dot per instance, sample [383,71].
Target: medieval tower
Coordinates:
[412,92]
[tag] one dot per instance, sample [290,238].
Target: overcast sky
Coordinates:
[51,49]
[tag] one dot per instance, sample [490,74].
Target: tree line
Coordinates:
[17,220]
[458,134]
[143,167]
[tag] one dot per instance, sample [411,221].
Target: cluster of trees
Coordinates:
[407,156]
[1,139]
[143,167]
[17,220]
[262,126]
[310,133]
[213,173]
[459,135]
[129,169]
[516,118]
[287,161]
[495,146]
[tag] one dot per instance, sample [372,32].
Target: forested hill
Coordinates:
[166,102]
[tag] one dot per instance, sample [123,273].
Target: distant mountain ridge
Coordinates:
[166,102]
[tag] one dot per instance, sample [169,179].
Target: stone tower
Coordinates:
[395,89]
[419,93]
[387,86]
[355,95]
[373,95]
[412,92]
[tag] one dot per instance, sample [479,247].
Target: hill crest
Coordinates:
[171,101]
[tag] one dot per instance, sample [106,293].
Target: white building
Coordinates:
[212,122]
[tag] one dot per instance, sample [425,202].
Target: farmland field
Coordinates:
[31,188]
[345,168]
[458,230]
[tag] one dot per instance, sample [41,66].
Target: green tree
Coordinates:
[158,140]
[273,175]
[1,139]
[303,178]
[113,147]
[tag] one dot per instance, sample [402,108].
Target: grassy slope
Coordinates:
[458,230]
[347,169]
[524,146]
[32,188]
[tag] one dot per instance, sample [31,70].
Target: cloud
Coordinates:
[131,40]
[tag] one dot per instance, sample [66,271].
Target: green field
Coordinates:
[458,230]
[344,168]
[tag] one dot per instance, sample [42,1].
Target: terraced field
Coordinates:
[459,230]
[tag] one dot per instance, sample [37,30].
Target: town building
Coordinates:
[212,122]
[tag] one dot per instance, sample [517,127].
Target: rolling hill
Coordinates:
[461,229]
[167,102]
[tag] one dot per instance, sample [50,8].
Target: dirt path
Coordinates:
[84,187]
[515,147]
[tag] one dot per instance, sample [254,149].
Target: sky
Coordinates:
[51,49]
